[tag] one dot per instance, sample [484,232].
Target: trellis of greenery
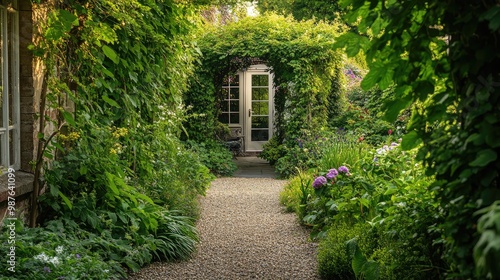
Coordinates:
[300,54]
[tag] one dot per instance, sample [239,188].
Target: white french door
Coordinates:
[258,107]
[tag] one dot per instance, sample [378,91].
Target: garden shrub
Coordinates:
[452,78]
[388,190]
[334,260]
[215,156]
[116,174]
[296,192]
[112,196]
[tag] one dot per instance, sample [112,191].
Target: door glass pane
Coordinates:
[260,94]
[260,122]
[260,108]
[260,135]
[260,80]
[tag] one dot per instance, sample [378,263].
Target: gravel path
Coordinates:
[244,234]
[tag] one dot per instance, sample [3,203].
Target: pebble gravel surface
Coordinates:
[244,234]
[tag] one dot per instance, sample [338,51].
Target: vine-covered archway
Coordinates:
[306,68]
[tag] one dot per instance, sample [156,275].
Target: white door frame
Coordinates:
[255,146]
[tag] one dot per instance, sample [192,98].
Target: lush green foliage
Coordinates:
[120,175]
[442,55]
[334,260]
[215,156]
[61,249]
[302,9]
[385,190]
[306,71]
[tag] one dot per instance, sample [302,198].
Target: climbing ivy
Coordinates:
[301,56]
[443,57]
[114,76]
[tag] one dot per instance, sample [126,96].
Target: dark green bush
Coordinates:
[334,261]
[215,156]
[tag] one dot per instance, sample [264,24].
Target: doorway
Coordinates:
[248,106]
[258,106]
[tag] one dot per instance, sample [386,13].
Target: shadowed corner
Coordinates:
[253,167]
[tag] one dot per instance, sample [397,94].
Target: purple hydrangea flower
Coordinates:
[319,182]
[343,169]
[46,269]
[332,173]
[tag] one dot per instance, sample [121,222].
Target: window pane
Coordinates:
[224,118]
[234,81]
[11,148]
[235,106]
[260,135]
[225,93]
[234,118]
[260,122]
[260,108]
[234,93]
[260,80]
[1,67]
[260,94]
[1,151]
[224,106]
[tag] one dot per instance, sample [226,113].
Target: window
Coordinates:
[9,86]
[230,106]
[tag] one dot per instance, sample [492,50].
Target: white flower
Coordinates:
[42,257]
[59,249]
[54,260]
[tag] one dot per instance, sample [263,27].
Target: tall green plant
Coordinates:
[442,55]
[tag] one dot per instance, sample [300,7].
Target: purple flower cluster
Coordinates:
[319,182]
[332,173]
[343,169]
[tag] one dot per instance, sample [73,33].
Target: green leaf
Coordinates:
[370,270]
[110,53]
[66,200]
[493,16]
[110,101]
[111,183]
[390,190]
[108,73]
[377,71]
[83,170]
[483,158]
[394,108]
[68,17]
[68,117]
[410,141]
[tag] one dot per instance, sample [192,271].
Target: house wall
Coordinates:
[30,77]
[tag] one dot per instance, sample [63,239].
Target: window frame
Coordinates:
[10,75]
[227,99]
